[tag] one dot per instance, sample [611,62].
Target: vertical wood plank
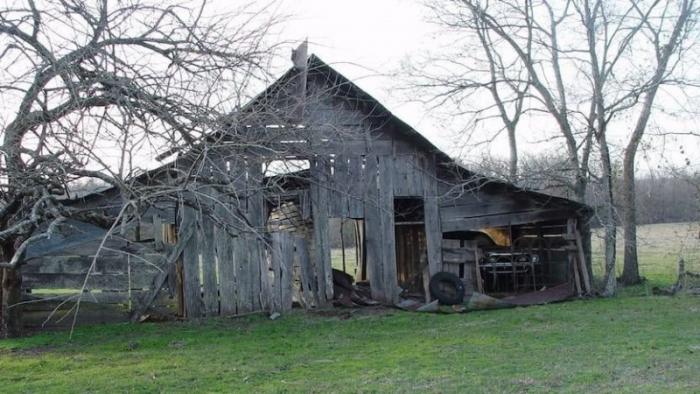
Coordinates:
[433,232]
[275,262]
[255,261]
[265,294]
[227,270]
[322,251]
[170,238]
[386,208]
[190,262]
[342,182]
[286,266]
[356,186]
[255,200]
[373,231]
[209,280]
[244,302]
[308,285]
[256,217]
[157,232]
[399,174]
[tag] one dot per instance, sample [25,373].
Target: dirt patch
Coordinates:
[30,352]
[357,312]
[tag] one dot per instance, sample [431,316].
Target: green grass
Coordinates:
[629,343]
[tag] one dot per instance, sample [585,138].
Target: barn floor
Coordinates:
[649,344]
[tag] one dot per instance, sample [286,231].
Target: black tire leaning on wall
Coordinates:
[452,297]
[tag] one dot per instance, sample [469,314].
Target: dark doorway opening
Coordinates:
[410,244]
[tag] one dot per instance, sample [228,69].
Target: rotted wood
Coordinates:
[322,251]
[275,263]
[266,282]
[360,251]
[160,280]
[256,217]
[208,253]
[281,261]
[157,232]
[433,229]
[190,261]
[287,268]
[338,193]
[457,255]
[244,297]
[356,185]
[573,261]
[373,231]
[308,284]
[386,209]
[225,260]
[477,266]
[582,263]
[170,239]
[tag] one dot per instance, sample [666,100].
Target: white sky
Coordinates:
[367,41]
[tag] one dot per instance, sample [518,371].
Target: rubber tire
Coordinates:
[444,297]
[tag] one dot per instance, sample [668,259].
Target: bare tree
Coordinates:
[670,31]
[580,60]
[90,88]
[483,88]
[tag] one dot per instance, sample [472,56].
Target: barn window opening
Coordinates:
[346,246]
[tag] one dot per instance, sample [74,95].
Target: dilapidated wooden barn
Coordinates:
[242,222]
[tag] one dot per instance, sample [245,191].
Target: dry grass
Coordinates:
[660,247]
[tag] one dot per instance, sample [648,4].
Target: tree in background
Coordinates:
[88,88]
[583,63]
[670,33]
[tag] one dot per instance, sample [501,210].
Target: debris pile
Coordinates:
[687,282]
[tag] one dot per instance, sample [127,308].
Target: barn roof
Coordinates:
[346,89]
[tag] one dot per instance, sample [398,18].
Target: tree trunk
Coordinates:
[630,271]
[10,296]
[10,310]
[610,286]
[513,165]
[609,217]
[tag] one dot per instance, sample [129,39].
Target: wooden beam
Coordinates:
[433,227]
[582,263]
[190,262]
[159,281]
[388,232]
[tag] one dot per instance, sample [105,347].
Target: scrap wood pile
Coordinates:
[476,301]
[687,282]
[446,299]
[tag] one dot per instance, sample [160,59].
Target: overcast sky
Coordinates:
[367,41]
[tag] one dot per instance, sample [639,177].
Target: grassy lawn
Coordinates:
[630,343]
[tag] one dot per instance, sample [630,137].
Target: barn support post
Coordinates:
[319,209]
[190,265]
[433,229]
[388,231]
[373,231]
